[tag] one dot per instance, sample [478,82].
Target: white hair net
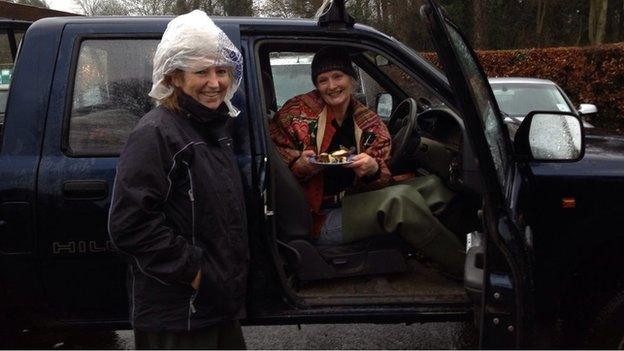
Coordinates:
[192,42]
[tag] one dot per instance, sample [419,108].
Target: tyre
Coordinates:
[606,331]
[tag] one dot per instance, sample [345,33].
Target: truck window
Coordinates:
[414,88]
[292,76]
[6,69]
[112,79]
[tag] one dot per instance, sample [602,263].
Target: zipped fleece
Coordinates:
[178,207]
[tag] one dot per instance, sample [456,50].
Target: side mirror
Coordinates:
[550,136]
[384,104]
[587,109]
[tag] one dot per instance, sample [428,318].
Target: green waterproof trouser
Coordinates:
[407,209]
[222,336]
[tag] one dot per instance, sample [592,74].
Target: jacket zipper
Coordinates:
[191,196]
[133,298]
[192,309]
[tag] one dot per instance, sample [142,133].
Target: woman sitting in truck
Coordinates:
[338,150]
[178,213]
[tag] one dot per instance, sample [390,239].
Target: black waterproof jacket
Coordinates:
[178,207]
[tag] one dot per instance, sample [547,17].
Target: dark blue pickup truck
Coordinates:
[541,215]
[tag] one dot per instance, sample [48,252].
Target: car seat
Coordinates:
[308,261]
[377,255]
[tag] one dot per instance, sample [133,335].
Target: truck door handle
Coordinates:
[85,190]
[474,274]
[473,268]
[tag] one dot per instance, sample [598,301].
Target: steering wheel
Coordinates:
[401,124]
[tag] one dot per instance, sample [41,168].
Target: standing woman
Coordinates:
[177,212]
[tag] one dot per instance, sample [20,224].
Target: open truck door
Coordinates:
[497,272]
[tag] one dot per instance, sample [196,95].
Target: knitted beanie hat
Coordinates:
[332,58]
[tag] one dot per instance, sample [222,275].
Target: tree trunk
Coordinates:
[591,22]
[181,7]
[601,22]
[237,7]
[597,23]
[579,37]
[539,21]
[479,27]
[621,24]
[384,11]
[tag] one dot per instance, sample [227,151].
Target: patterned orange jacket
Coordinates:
[303,123]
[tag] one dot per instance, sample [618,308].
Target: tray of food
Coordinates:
[336,158]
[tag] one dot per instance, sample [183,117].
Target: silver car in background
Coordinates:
[517,96]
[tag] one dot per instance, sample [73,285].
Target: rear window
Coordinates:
[112,80]
[4,94]
[6,67]
[518,99]
[291,74]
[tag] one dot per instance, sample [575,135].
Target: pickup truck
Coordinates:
[541,215]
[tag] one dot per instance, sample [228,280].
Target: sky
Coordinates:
[71,6]
[64,5]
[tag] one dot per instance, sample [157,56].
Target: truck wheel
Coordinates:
[607,329]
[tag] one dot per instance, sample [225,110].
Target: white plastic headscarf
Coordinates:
[192,42]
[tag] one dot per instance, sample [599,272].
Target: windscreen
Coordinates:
[518,99]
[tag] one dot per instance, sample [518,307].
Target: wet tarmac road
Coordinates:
[455,335]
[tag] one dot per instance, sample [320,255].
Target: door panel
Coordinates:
[89,120]
[88,124]
[504,307]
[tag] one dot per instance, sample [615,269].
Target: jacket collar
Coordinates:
[210,124]
[200,113]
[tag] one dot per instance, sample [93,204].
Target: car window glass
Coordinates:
[19,35]
[291,73]
[494,131]
[370,90]
[410,85]
[111,83]
[518,100]
[6,69]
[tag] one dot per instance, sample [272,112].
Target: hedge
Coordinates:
[588,75]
